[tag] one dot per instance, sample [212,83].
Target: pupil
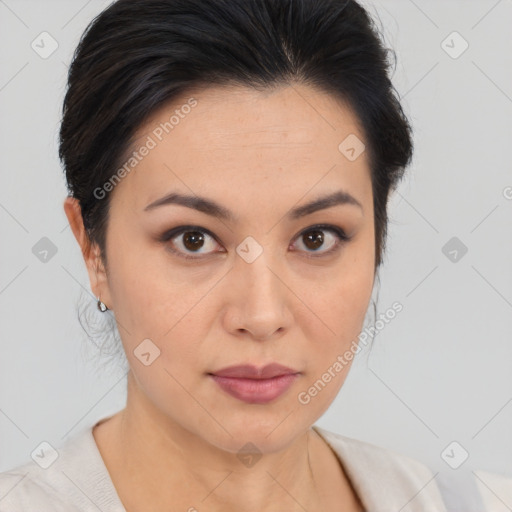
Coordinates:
[193,240]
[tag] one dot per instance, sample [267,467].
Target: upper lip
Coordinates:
[249,371]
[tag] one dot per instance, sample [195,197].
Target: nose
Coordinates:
[259,300]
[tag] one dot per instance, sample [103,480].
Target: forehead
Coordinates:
[249,140]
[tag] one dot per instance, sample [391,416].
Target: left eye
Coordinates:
[314,237]
[188,240]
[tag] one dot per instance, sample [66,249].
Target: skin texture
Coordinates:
[258,154]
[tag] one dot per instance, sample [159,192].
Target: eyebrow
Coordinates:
[210,207]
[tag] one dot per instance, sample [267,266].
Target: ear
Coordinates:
[91,252]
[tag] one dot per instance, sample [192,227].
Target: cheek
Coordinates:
[346,291]
[353,293]
[341,303]
[342,308]
[155,300]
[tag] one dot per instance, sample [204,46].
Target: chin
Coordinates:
[268,435]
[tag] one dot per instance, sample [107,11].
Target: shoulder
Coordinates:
[495,489]
[384,476]
[372,457]
[25,488]
[71,478]
[388,480]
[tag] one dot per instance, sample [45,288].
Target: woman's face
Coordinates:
[251,279]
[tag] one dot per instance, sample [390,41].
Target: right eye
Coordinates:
[191,239]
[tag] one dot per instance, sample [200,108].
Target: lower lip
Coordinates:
[254,391]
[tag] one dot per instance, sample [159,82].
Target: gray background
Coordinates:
[440,371]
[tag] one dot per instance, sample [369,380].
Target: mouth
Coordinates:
[255,385]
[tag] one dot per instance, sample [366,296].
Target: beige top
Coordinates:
[385,481]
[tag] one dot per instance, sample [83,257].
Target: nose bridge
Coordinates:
[256,267]
[261,295]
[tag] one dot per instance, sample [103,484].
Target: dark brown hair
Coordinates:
[138,55]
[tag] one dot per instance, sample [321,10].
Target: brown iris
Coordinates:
[316,238]
[193,240]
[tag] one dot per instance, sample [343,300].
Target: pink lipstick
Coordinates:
[255,385]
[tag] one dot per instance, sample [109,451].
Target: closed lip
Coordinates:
[249,371]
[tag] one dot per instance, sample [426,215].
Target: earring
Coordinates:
[102,307]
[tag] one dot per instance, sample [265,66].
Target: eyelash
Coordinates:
[175,232]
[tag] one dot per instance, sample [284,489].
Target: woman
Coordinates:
[229,165]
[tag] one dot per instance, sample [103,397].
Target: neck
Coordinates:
[166,463]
